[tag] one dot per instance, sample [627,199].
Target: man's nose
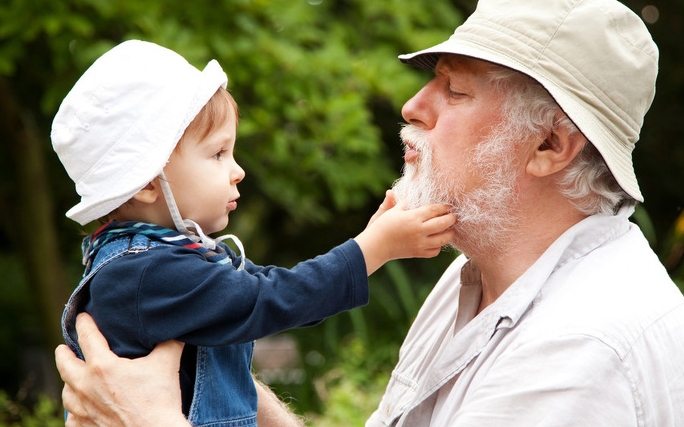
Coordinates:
[420,109]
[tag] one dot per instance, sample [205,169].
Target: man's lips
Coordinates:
[410,154]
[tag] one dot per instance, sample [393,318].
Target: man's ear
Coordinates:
[150,193]
[555,152]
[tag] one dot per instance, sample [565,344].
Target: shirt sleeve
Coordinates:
[167,293]
[573,380]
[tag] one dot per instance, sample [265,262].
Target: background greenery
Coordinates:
[320,92]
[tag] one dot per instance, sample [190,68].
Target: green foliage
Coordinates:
[351,391]
[45,413]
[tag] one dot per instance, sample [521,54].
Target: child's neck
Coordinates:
[142,212]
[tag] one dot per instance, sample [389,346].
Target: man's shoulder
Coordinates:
[614,300]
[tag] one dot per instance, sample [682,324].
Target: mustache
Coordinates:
[415,137]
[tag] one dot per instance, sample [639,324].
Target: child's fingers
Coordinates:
[442,238]
[434,244]
[439,232]
[440,219]
[433,210]
[390,199]
[430,252]
[388,203]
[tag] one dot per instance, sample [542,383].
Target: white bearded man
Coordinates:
[557,312]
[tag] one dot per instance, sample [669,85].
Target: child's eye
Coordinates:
[219,155]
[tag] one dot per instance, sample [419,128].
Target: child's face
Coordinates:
[203,176]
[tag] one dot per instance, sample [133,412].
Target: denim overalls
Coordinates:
[224,393]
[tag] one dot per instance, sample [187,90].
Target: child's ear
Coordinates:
[150,193]
[555,152]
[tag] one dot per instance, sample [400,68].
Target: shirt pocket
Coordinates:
[401,391]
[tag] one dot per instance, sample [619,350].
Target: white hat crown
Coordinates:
[117,127]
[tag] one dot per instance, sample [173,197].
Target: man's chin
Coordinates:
[406,192]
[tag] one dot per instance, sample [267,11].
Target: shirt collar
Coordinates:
[576,242]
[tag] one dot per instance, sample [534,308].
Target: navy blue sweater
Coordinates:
[171,292]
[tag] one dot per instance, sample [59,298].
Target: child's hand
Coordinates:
[389,202]
[394,232]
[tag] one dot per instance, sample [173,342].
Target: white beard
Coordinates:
[486,214]
[418,185]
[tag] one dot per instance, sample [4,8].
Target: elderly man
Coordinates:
[557,312]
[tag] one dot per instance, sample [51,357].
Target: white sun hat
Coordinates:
[595,57]
[119,124]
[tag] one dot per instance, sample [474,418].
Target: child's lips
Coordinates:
[232,205]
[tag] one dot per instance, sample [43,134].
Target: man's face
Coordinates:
[458,152]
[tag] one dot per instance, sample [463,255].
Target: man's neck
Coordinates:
[503,265]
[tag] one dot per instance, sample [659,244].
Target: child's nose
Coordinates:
[238,174]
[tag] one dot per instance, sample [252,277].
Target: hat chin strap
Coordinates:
[198,235]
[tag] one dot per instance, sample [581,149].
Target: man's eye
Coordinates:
[453,93]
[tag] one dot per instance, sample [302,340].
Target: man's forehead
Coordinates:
[449,62]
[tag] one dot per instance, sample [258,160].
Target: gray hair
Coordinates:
[586,181]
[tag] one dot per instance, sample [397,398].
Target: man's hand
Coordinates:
[108,391]
[272,412]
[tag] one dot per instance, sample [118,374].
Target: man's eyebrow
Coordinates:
[445,66]
[441,68]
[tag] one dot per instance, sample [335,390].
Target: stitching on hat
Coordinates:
[555,32]
[653,54]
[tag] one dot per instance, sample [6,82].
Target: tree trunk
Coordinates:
[29,217]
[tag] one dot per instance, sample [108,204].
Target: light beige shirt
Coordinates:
[591,335]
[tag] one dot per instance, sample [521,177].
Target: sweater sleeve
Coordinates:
[167,293]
